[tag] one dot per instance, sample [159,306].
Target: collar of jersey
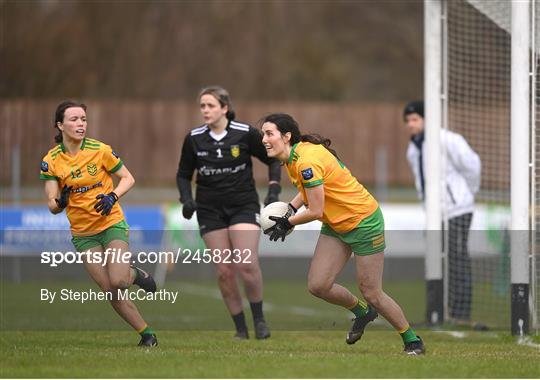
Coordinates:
[291,155]
[223,134]
[228,127]
[82,145]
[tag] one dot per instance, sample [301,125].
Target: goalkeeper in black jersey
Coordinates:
[226,201]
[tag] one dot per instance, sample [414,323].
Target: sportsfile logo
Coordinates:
[53,259]
[182,255]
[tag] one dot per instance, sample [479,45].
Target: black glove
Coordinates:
[105,203]
[188,208]
[281,228]
[62,202]
[273,194]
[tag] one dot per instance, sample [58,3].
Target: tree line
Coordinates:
[265,50]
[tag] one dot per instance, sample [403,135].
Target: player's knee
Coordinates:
[119,283]
[225,274]
[318,288]
[104,285]
[109,290]
[372,295]
[248,270]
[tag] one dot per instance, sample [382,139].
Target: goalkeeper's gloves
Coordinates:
[62,202]
[188,208]
[105,203]
[273,194]
[281,228]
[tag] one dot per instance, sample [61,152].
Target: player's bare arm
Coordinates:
[314,210]
[297,201]
[52,191]
[126,181]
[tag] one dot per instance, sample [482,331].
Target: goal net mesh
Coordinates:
[477,56]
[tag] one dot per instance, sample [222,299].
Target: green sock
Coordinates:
[147,331]
[409,336]
[359,309]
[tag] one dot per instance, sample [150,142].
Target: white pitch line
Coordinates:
[527,341]
[455,334]
[523,341]
[200,291]
[214,293]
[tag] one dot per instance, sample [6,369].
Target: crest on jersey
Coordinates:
[235,150]
[92,168]
[307,174]
[44,166]
[115,154]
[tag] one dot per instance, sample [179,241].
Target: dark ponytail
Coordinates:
[286,124]
[59,116]
[317,139]
[58,138]
[230,115]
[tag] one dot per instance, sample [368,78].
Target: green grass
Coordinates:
[288,306]
[306,354]
[199,307]
[69,339]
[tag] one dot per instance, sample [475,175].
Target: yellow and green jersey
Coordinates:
[346,201]
[89,174]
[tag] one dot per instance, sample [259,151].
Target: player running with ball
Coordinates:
[77,174]
[352,223]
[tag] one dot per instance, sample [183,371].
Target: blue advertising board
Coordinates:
[30,230]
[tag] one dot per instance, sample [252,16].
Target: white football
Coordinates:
[273,209]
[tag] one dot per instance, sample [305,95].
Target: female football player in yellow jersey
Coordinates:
[352,223]
[77,174]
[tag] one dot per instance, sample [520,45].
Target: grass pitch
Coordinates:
[305,354]
[73,340]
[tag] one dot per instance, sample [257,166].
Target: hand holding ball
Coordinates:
[274,220]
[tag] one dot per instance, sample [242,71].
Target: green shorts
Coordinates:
[118,231]
[366,239]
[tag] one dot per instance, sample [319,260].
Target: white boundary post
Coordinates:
[432,159]
[519,199]
[533,296]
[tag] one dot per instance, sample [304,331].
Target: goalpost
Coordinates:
[480,82]
[535,182]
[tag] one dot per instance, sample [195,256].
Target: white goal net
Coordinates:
[477,85]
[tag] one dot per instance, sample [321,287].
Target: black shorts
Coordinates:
[214,216]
